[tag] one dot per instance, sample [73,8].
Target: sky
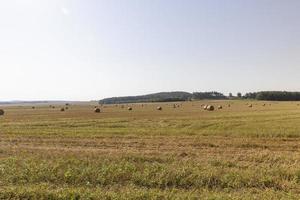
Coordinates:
[91,49]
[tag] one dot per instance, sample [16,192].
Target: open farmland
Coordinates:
[185,152]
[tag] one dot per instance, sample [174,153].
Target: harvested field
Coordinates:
[185,153]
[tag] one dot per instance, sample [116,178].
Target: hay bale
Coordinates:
[183,154]
[159,108]
[205,107]
[1,112]
[250,106]
[210,108]
[62,109]
[67,108]
[33,107]
[220,107]
[129,108]
[97,110]
[229,105]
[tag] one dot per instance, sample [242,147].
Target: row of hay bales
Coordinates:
[211,107]
[251,105]
[97,110]
[2,112]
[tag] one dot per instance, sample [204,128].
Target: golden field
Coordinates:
[186,152]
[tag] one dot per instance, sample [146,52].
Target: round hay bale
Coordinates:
[229,105]
[220,107]
[210,108]
[250,106]
[205,107]
[67,108]
[174,105]
[33,107]
[1,112]
[159,108]
[97,110]
[183,154]
[62,109]
[129,108]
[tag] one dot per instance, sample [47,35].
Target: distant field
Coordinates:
[177,153]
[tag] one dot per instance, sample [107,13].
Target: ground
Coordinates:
[177,153]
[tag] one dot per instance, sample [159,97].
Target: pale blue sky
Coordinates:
[90,49]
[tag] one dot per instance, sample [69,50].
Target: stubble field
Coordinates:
[177,153]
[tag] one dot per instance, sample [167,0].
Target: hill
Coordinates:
[164,97]
[156,97]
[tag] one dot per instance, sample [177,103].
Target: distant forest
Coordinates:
[273,96]
[186,96]
[164,97]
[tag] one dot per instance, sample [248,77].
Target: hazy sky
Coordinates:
[90,49]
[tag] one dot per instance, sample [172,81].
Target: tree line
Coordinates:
[273,96]
[186,96]
[164,97]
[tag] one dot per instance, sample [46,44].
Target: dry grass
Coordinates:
[177,153]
